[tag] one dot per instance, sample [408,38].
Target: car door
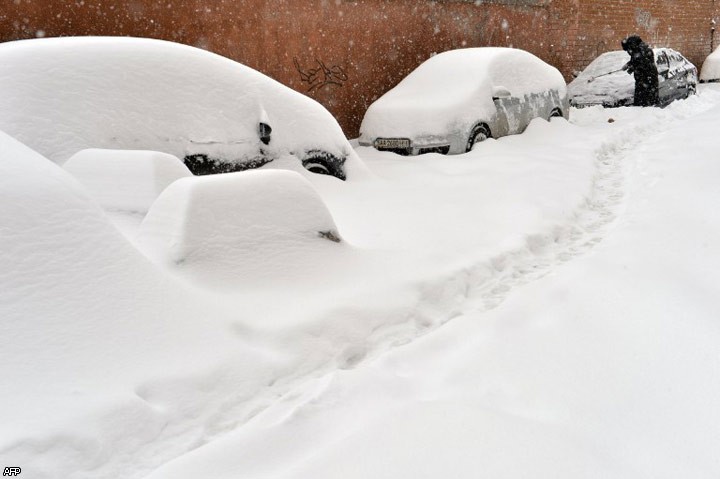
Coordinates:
[682,72]
[510,110]
[666,84]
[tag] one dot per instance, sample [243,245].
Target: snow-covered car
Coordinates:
[461,97]
[605,83]
[710,71]
[63,95]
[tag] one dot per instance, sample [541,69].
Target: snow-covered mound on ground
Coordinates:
[88,326]
[239,226]
[453,89]
[710,71]
[125,182]
[62,95]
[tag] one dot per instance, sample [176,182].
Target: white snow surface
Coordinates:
[237,229]
[125,182]
[452,89]
[602,361]
[87,321]
[710,70]
[545,305]
[63,95]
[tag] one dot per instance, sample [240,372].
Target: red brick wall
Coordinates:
[367,46]
[582,29]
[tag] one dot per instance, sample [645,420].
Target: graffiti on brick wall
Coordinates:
[644,19]
[321,75]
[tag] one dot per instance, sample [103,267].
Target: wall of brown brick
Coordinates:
[581,29]
[346,53]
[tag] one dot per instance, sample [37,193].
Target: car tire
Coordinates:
[479,134]
[323,163]
[555,113]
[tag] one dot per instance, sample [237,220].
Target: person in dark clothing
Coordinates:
[642,65]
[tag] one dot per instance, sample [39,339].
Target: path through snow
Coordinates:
[483,286]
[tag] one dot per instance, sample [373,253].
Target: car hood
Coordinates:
[609,90]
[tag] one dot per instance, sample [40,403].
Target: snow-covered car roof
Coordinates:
[456,87]
[62,95]
[711,67]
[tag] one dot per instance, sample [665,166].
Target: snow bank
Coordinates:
[62,95]
[238,227]
[88,326]
[453,89]
[710,71]
[70,287]
[125,182]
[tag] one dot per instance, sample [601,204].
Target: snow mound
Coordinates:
[88,326]
[63,266]
[125,180]
[238,226]
[711,67]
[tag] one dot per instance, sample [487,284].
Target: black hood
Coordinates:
[631,43]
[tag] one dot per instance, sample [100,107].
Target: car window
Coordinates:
[663,64]
[678,63]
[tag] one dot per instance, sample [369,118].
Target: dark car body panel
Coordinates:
[677,80]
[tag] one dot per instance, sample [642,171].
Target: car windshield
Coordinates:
[606,63]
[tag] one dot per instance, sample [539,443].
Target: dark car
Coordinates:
[604,82]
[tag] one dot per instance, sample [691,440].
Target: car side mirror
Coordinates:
[499,92]
[264,131]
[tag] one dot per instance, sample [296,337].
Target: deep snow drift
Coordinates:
[710,71]
[541,306]
[125,182]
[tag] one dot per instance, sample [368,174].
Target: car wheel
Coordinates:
[323,163]
[479,134]
[557,112]
[202,164]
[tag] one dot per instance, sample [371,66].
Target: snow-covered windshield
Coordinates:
[603,81]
